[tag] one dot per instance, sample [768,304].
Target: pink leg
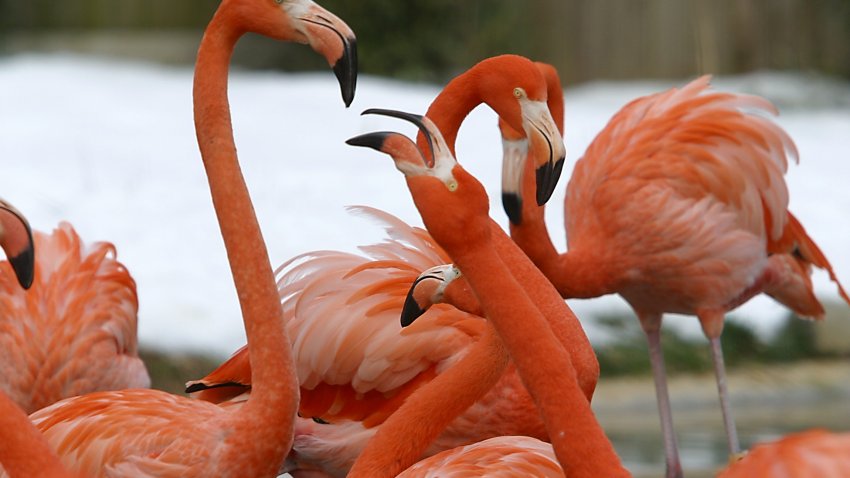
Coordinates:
[725,408]
[652,328]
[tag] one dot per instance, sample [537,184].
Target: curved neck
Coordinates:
[24,451]
[266,420]
[407,433]
[451,107]
[543,364]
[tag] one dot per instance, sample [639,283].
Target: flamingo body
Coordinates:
[153,433]
[500,457]
[680,206]
[134,433]
[809,454]
[356,365]
[74,330]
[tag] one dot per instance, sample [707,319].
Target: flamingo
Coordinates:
[355,368]
[23,450]
[808,454]
[74,330]
[503,456]
[148,432]
[679,205]
[454,208]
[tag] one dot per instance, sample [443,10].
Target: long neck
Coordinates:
[408,432]
[563,322]
[543,364]
[451,107]
[261,431]
[574,273]
[24,451]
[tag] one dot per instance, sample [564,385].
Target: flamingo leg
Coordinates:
[723,392]
[652,327]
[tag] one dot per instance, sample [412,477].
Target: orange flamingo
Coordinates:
[454,207]
[74,330]
[147,432]
[354,367]
[808,454]
[23,450]
[679,205]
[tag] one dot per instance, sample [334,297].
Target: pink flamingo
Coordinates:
[679,205]
[147,432]
[23,450]
[454,208]
[354,365]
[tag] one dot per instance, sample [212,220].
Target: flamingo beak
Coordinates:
[547,145]
[16,240]
[514,153]
[333,39]
[370,140]
[427,290]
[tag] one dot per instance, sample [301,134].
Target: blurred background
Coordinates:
[432,40]
[92,79]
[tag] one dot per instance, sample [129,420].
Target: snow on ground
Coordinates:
[110,146]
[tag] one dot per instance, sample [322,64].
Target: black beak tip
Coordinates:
[345,70]
[512,202]
[545,188]
[24,267]
[411,310]
[369,140]
[556,172]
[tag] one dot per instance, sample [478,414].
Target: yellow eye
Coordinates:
[519,92]
[452,185]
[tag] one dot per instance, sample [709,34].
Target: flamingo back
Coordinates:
[809,454]
[500,457]
[74,330]
[133,433]
[690,180]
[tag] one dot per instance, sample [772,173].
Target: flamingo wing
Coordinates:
[353,359]
[137,432]
[690,181]
[74,331]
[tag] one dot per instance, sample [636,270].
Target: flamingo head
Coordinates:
[428,289]
[16,241]
[516,88]
[303,21]
[516,151]
[452,203]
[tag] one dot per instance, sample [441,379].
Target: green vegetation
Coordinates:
[629,355]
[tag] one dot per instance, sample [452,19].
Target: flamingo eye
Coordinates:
[519,93]
[278,1]
[452,185]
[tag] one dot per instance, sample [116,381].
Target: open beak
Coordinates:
[427,290]
[332,38]
[16,240]
[546,145]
